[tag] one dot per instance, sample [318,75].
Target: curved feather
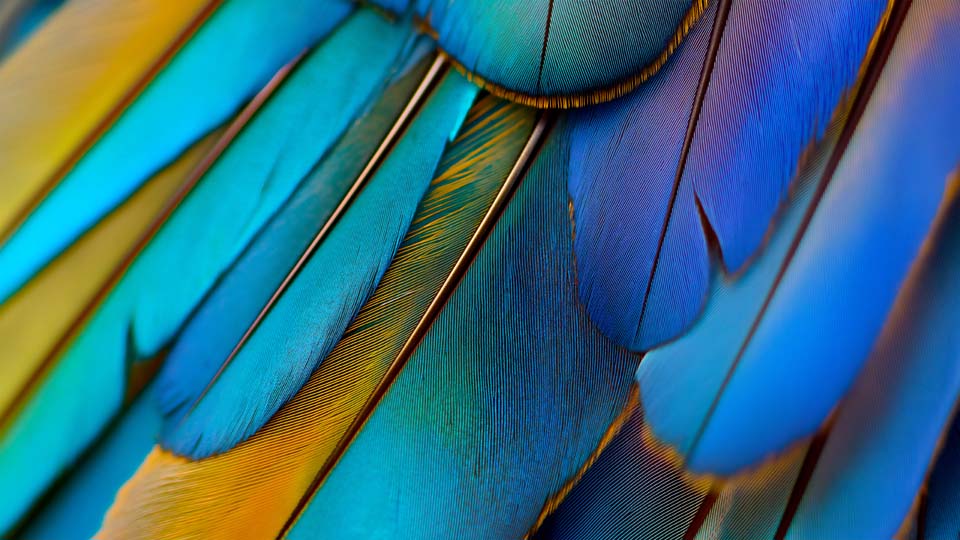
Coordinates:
[894,415]
[560,52]
[219,324]
[275,468]
[115,47]
[485,423]
[310,317]
[841,282]
[770,75]
[204,84]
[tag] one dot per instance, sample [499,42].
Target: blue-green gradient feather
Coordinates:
[508,394]
[217,71]
[555,48]
[312,314]
[232,306]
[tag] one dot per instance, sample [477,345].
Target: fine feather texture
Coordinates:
[941,515]
[639,187]
[841,281]
[261,481]
[214,73]
[559,52]
[311,316]
[80,501]
[633,492]
[220,322]
[32,322]
[80,66]
[893,417]
[81,385]
[486,422]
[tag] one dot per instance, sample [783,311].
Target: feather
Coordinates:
[77,506]
[34,321]
[717,160]
[894,415]
[220,322]
[139,315]
[20,18]
[277,466]
[314,310]
[30,327]
[509,392]
[678,382]
[231,57]
[560,52]
[940,515]
[841,282]
[115,47]
[634,491]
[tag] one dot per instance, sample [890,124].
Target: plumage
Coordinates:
[165,118]
[560,52]
[311,316]
[901,403]
[484,426]
[734,107]
[841,281]
[324,270]
[85,494]
[264,469]
[221,321]
[118,44]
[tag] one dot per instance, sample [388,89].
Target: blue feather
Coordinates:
[79,503]
[557,49]
[231,307]
[828,309]
[85,385]
[311,315]
[894,415]
[508,394]
[777,74]
[216,72]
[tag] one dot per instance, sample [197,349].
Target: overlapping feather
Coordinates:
[264,478]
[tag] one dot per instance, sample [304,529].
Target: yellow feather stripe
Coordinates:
[252,490]
[80,70]
[33,320]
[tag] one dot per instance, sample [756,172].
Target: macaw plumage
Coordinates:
[550,269]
